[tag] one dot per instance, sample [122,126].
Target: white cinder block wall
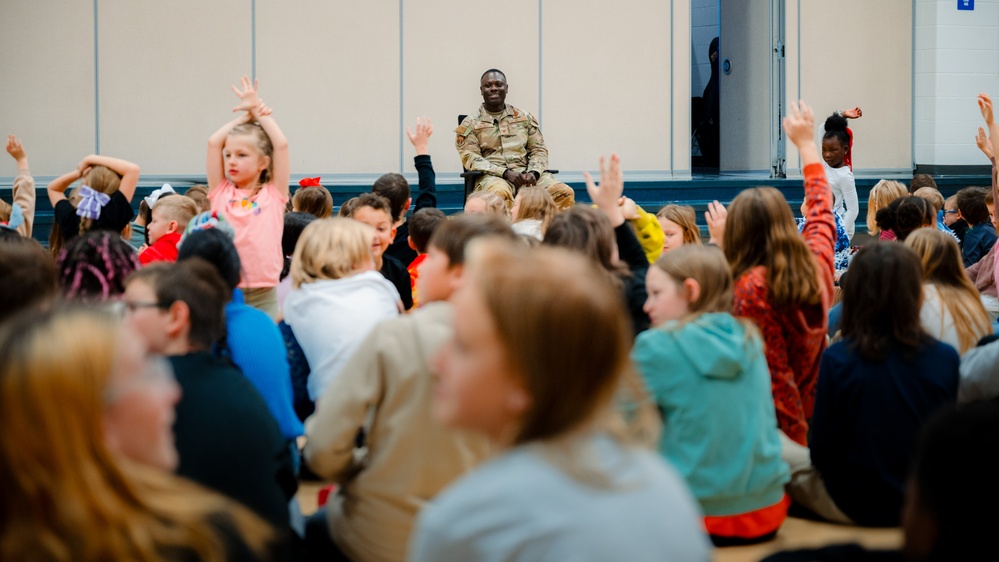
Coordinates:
[956,56]
[704,27]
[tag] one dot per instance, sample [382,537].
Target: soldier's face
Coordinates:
[493,88]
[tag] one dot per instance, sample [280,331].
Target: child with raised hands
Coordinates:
[103,199]
[603,235]
[21,215]
[988,113]
[708,375]
[783,279]
[564,484]
[836,145]
[248,174]
[395,188]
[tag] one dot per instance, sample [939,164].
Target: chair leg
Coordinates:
[469,187]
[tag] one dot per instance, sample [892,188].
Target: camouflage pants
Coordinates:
[563,195]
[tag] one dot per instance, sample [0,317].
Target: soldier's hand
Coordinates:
[529,178]
[513,178]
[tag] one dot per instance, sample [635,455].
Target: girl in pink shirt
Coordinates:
[248,169]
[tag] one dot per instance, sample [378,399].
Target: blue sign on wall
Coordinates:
[965,4]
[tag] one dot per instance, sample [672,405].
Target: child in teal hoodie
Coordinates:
[707,373]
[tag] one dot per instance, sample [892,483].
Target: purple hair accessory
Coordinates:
[92,203]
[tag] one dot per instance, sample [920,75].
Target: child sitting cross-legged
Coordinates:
[337,295]
[226,438]
[876,389]
[565,482]
[708,375]
[385,392]
[170,218]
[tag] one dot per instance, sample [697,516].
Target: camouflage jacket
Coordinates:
[494,144]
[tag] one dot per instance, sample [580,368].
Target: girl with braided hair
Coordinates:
[93,267]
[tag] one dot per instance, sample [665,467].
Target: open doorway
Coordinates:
[748,87]
[705,22]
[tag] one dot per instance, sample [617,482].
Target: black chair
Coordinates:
[472,176]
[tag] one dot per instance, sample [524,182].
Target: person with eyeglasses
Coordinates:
[226,438]
[87,451]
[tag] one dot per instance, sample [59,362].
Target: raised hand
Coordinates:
[854,113]
[985,105]
[15,149]
[608,193]
[983,142]
[715,216]
[248,99]
[262,110]
[421,138]
[84,166]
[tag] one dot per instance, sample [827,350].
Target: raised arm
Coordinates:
[214,164]
[820,226]
[984,144]
[985,105]
[57,187]
[128,171]
[607,195]
[250,102]
[427,196]
[24,185]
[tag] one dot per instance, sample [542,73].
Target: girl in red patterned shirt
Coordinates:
[784,280]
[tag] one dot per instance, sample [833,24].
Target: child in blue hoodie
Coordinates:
[709,377]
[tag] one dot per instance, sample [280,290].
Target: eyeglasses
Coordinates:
[946,212]
[132,306]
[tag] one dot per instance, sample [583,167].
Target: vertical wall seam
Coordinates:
[672,94]
[97,88]
[253,39]
[912,85]
[402,122]
[798,97]
[540,61]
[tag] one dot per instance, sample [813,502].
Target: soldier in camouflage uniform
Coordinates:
[506,144]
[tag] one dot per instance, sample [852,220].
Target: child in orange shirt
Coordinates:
[421,227]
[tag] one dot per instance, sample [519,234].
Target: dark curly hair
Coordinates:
[904,215]
[836,128]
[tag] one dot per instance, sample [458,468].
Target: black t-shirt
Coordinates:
[399,249]
[115,216]
[398,275]
[227,438]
